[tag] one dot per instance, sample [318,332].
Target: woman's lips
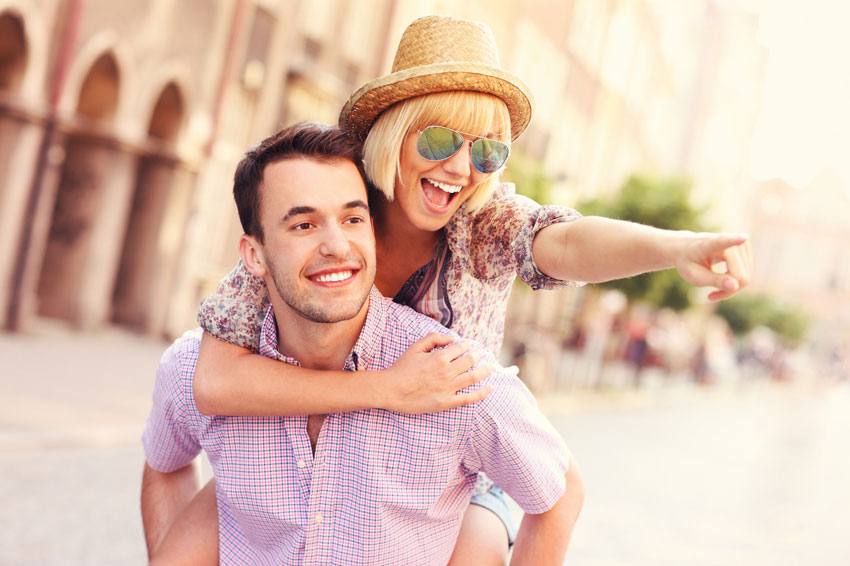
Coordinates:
[438,199]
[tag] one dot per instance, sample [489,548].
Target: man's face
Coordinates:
[319,248]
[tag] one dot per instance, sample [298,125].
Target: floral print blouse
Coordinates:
[465,287]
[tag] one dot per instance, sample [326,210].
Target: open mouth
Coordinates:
[334,278]
[439,195]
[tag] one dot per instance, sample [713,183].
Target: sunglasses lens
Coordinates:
[437,143]
[489,155]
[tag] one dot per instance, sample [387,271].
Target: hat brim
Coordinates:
[367,103]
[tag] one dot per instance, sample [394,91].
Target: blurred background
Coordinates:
[708,434]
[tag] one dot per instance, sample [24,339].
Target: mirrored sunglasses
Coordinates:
[437,143]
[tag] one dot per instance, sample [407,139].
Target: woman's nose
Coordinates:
[459,164]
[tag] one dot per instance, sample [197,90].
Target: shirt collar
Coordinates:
[269,339]
[364,353]
[368,346]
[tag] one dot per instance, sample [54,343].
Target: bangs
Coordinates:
[467,112]
[471,113]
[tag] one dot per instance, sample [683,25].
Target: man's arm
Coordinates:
[172,441]
[543,538]
[520,450]
[164,496]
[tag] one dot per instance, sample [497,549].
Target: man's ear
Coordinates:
[252,255]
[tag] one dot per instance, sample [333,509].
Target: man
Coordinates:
[367,487]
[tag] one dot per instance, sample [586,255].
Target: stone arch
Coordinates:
[156,214]
[168,114]
[14,51]
[81,253]
[36,36]
[103,47]
[19,138]
[99,93]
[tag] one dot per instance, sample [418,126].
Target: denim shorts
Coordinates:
[496,501]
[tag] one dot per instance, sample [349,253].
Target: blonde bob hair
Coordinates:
[464,111]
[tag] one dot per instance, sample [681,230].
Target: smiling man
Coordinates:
[365,487]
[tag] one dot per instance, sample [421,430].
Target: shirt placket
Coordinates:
[297,429]
[322,504]
[321,507]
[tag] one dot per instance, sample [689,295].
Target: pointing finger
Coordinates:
[722,242]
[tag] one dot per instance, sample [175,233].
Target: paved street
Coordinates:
[752,476]
[755,477]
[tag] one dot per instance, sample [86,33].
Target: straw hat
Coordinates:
[439,54]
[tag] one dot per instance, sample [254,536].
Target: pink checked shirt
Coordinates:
[382,488]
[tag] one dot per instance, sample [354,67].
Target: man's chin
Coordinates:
[330,318]
[329,313]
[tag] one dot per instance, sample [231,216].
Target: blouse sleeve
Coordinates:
[503,231]
[234,313]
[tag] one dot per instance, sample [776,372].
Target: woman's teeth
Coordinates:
[445,186]
[336,276]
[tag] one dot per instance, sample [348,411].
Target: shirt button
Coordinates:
[301,464]
[318,518]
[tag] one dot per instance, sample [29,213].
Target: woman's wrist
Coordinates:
[672,245]
[368,391]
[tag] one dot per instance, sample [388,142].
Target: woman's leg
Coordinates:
[193,537]
[483,539]
[488,529]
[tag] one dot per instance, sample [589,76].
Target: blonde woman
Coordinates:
[451,239]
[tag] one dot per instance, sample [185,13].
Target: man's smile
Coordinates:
[335,277]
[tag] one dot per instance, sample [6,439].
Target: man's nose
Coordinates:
[334,243]
[458,164]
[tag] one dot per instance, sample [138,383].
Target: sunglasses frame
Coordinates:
[464,135]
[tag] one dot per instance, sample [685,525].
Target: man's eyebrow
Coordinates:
[357,204]
[296,210]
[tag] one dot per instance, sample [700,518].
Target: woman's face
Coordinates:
[430,192]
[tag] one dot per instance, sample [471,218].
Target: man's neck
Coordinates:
[316,345]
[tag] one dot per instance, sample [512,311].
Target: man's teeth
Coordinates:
[445,186]
[335,276]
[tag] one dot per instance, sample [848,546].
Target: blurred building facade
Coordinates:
[121,122]
[800,237]
[120,126]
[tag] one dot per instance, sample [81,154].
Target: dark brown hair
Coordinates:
[305,139]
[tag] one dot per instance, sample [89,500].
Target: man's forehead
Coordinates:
[304,181]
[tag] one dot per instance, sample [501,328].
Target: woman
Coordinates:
[450,242]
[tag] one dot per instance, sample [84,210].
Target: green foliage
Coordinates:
[790,323]
[528,176]
[746,311]
[659,202]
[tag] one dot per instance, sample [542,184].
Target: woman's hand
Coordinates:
[427,378]
[722,261]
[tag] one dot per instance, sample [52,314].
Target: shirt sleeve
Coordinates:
[234,313]
[517,447]
[169,437]
[503,231]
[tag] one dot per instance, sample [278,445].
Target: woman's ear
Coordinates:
[252,255]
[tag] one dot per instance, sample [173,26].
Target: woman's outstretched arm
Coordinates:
[595,249]
[230,380]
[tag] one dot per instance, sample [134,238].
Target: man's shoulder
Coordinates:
[182,355]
